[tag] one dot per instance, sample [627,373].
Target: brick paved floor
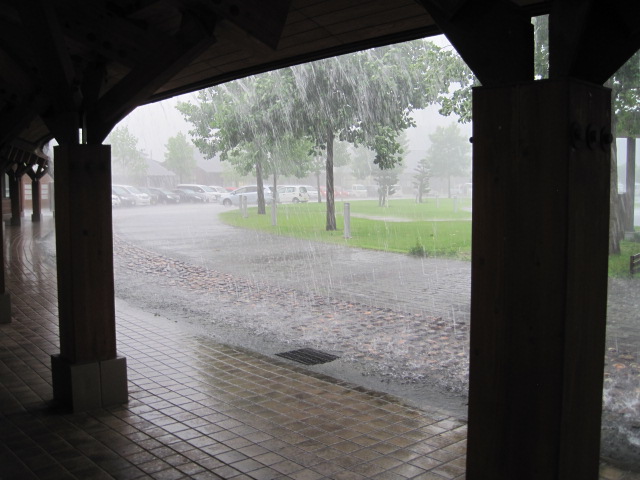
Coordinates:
[199,409]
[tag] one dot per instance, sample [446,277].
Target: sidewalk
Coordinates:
[199,409]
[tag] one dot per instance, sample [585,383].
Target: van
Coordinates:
[292,193]
[209,193]
[358,190]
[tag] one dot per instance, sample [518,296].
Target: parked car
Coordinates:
[130,195]
[219,191]
[190,196]
[152,196]
[250,191]
[313,193]
[358,190]
[338,192]
[165,196]
[292,194]
[115,200]
[206,192]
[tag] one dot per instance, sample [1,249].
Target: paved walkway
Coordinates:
[199,409]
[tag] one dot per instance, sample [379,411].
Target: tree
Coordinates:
[421,178]
[366,99]
[124,150]
[625,85]
[246,121]
[179,156]
[449,153]
[387,181]
[362,166]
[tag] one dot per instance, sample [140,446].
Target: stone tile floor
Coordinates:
[198,409]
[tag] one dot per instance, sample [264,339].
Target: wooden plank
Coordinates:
[84,248]
[537,341]
[600,37]
[167,60]
[494,38]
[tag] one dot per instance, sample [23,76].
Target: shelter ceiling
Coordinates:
[98,60]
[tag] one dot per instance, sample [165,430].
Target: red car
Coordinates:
[338,192]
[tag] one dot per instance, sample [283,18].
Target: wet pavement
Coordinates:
[398,323]
[198,279]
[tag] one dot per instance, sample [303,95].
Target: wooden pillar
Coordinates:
[539,280]
[16,201]
[87,373]
[5,298]
[36,215]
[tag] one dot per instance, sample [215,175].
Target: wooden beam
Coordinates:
[108,34]
[262,20]
[50,53]
[166,60]
[494,37]
[538,281]
[14,120]
[591,40]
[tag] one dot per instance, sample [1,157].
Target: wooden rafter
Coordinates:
[167,59]
[54,66]
[591,40]
[262,20]
[494,37]
[109,35]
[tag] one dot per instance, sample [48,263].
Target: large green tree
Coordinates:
[247,122]
[625,88]
[179,157]
[421,178]
[366,98]
[449,154]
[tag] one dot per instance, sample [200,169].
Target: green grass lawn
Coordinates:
[435,227]
[401,227]
[619,264]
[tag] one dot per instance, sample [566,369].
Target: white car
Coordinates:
[219,191]
[292,194]
[134,195]
[313,192]
[250,191]
[206,192]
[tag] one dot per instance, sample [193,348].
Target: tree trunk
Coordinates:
[331,208]
[318,186]
[631,183]
[261,208]
[616,208]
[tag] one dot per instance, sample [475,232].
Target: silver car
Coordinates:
[250,191]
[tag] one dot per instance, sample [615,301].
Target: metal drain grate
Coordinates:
[308,356]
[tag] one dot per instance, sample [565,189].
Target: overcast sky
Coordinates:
[154,124]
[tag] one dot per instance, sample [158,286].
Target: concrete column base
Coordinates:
[5,307]
[85,386]
[36,217]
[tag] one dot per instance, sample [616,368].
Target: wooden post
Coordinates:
[36,215]
[5,297]
[16,200]
[87,373]
[539,280]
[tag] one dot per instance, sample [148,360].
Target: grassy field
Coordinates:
[619,264]
[436,227]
